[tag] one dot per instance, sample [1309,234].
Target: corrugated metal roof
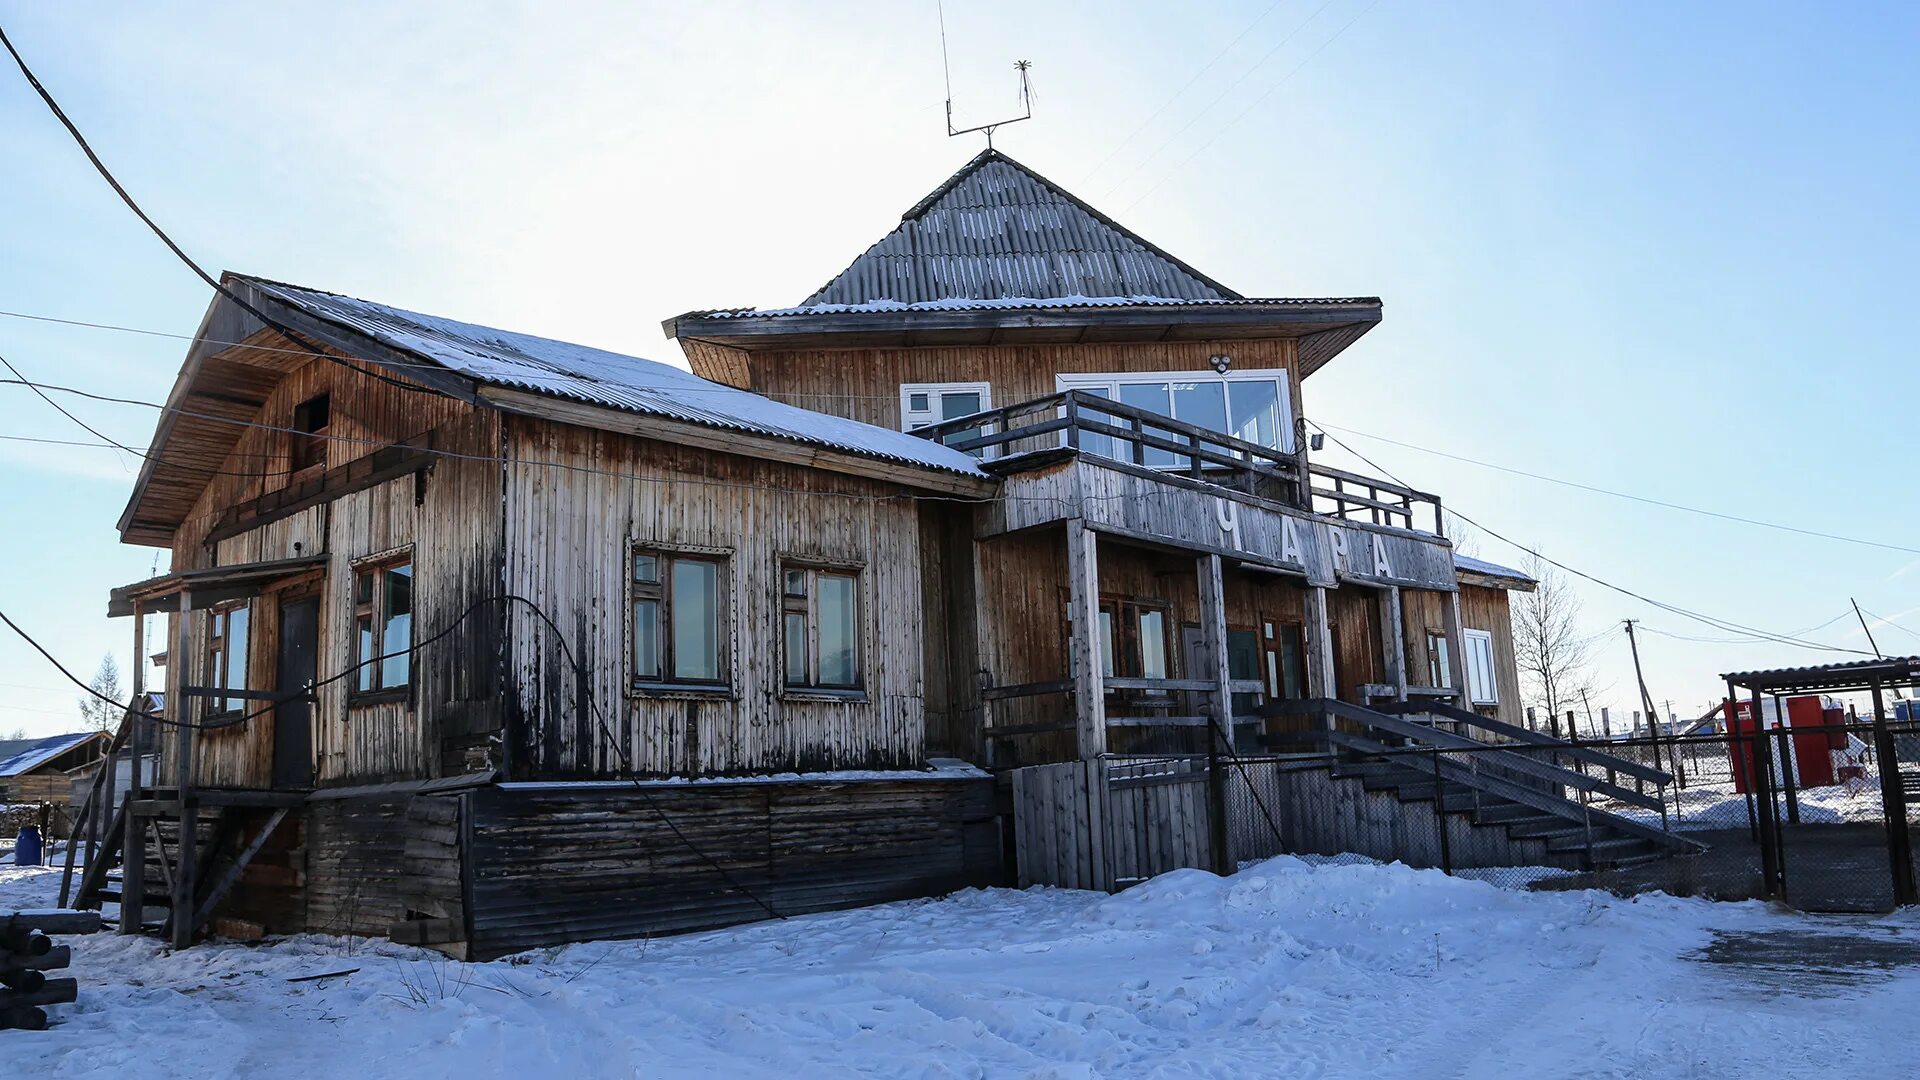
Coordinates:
[1490,569]
[43,751]
[997,230]
[1017,303]
[1853,674]
[598,377]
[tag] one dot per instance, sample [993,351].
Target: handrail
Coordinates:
[1533,738]
[1445,740]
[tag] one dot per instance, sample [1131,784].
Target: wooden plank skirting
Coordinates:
[554,864]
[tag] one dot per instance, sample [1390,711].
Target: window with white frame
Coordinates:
[1254,406]
[1482,687]
[926,404]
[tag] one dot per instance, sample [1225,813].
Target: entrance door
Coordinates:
[292,718]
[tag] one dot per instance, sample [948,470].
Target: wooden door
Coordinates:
[294,673]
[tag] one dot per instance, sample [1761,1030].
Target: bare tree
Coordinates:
[1553,651]
[98,714]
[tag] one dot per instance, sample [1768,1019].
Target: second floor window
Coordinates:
[679,618]
[820,618]
[925,404]
[383,627]
[1439,661]
[1252,406]
[1482,687]
[227,654]
[312,420]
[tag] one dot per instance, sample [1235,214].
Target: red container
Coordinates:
[1812,741]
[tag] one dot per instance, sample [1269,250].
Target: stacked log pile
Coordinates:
[27,954]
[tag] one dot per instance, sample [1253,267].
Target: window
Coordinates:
[383,628]
[925,404]
[227,654]
[308,441]
[1142,649]
[1286,659]
[1439,661]
[1249,405]
[820,611]
[1482,687]
[679,618]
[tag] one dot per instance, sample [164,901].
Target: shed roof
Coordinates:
[1505,575]
[41,751]
[1887,671]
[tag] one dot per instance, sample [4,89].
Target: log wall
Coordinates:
[558,863]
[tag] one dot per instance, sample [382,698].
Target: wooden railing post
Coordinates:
[1089,694]
[1213,628]
[181,910]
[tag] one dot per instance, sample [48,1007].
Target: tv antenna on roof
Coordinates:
[946,70]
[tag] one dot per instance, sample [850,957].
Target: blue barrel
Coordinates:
[26,849]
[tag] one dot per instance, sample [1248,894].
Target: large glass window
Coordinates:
[1249,405]
[1133,640]
[383,627]
[227,639]
[679,625]
[820,610]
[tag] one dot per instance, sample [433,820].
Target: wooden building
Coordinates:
[489,641]
[35,770]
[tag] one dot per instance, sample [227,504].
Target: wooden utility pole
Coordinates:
[1646,699]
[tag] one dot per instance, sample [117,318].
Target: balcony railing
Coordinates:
[1077,420]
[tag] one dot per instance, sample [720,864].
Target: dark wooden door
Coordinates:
[292,718]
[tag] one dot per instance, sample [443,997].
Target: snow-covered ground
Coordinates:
[1286,969]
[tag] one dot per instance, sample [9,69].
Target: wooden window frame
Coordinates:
[1469,635]
[1273,656]
[660,593]
[373,610]
[807,604]
[1128,654]
[1439,661]
[307,445]
[219,628]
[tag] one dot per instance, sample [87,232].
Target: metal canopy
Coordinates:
[1833,678]
[208,586]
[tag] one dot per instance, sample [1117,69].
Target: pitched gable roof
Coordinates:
[41,751]
[997,230]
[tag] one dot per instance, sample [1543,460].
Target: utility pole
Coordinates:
[1646,699]
[1869,632]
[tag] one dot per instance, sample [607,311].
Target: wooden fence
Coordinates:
[1112,821]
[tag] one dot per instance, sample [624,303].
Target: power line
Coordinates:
[1242,115]
[1165,105]
[1231,87]
[1624,494]
[1717,623]
[107,175]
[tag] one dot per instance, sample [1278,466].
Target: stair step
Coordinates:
[1495,811]
[1545,828]
[1604,844]
[160,899]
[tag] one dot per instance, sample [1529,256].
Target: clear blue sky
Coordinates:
[1662,248]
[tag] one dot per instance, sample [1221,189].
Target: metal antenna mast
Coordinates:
[946,71]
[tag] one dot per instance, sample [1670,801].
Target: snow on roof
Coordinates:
[1025,303]
[39,753]
[612,380]
[1481,566]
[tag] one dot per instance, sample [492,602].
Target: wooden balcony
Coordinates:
[1033,434]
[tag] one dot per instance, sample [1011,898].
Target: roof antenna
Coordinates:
[946,70]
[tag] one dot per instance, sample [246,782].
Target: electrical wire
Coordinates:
[505,598]
[1623,494]
[1716,623]
[107,175]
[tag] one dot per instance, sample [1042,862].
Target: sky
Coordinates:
[1654,248]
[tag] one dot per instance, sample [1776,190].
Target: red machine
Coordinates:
[1816,733]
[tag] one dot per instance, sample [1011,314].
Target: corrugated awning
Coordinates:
[208,586]
[1832,678]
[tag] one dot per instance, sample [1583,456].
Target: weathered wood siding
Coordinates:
[865,383]
[570,530]
[387,866]
[1482,608]
[553,864]
[449,516]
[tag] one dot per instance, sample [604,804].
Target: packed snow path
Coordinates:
[1286,969]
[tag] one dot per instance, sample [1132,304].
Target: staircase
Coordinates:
[1519,787]
[225,844]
